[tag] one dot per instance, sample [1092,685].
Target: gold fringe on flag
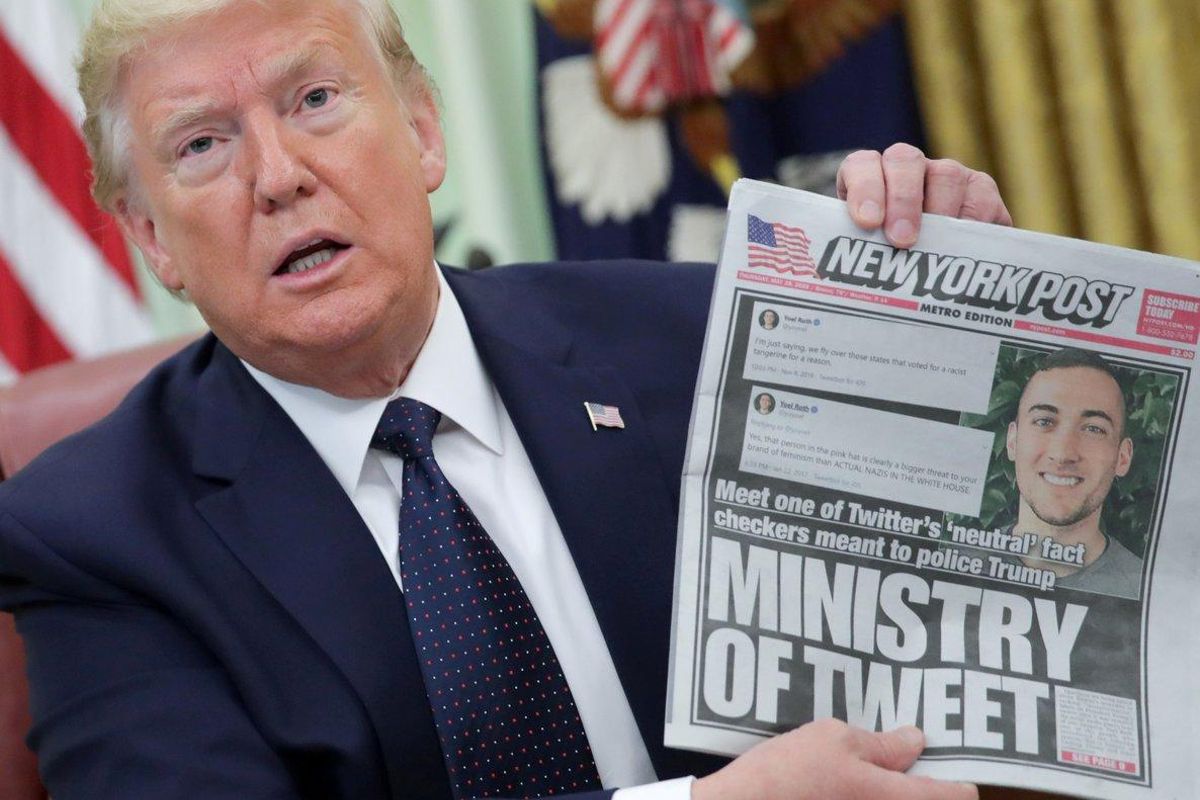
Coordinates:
[1086,111]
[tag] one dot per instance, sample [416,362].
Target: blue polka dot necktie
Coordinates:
[505,716]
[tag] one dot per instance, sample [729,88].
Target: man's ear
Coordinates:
[1124,457]
[1010,441]
[426,121]
[139,228]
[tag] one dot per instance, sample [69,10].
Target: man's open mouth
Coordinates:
[311,255]
[1061,480]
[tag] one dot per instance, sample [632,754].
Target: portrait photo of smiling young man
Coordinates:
[1068,443]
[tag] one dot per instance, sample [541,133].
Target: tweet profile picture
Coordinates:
[764,403]
[768,319]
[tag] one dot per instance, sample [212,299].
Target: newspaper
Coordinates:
[934,487]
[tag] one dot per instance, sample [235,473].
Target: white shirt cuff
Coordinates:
[677,789]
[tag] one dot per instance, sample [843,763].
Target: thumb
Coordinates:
[895,750]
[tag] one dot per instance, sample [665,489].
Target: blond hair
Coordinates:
[119,28]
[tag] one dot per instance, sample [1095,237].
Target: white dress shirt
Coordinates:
[478,449]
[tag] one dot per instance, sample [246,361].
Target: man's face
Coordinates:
[280,178]
[1068,443]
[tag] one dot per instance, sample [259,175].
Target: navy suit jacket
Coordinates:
[207,616]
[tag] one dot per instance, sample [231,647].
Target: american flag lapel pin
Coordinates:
[602,416]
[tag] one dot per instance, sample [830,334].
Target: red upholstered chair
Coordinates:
[18,769]
[37,411]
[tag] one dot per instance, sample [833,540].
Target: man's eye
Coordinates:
[316,98]
[201,144]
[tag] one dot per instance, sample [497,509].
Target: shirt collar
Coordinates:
[447,374]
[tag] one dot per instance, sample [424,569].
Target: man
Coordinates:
[214,593]
[768,319]
[1068,443]
[764,403]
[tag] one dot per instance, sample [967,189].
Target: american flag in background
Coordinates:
[67,285]
[657,52]
[782,248]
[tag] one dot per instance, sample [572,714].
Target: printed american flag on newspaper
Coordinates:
[782,248]
[602,416]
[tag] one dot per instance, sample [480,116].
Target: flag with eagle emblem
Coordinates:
[651,109]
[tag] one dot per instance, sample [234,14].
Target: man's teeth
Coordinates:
[311,260]
[1061,480]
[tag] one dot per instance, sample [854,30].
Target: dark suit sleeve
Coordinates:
[127,707]
[126,702]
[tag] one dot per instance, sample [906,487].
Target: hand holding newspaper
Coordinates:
[933,487]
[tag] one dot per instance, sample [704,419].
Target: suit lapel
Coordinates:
[288,521]
[606,487]
[283,515]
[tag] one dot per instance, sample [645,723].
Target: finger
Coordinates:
[898,786]
[982,200]
[894,750]
[860,184]
[945,186]
[904,179]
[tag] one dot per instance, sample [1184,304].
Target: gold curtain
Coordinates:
[1087,112]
